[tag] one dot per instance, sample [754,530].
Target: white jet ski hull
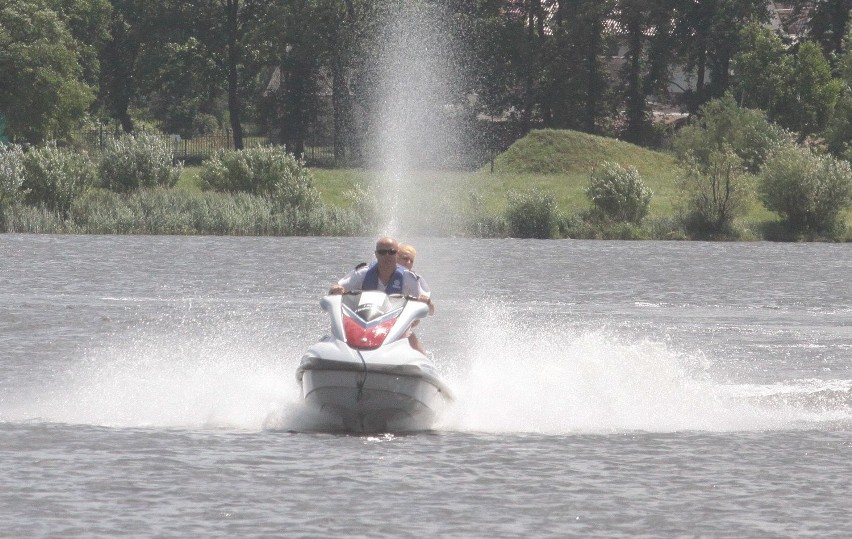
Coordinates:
[374,400]
[386,386]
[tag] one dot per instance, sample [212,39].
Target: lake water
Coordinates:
[605,389]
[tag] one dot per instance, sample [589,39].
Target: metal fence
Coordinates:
[487,141]
[201,147]
[196,149]
[189,150]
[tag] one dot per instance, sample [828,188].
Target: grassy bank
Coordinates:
[448,203]
[559,162]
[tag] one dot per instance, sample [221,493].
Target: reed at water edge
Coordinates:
[176,211]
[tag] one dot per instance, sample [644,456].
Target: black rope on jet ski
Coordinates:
[362,379]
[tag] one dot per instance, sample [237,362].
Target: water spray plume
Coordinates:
[416,85]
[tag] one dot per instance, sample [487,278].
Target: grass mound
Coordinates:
[559,151]
[561,161]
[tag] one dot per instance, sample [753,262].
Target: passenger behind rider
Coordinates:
[405,256]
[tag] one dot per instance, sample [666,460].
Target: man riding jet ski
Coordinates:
[385,275]
[365,375]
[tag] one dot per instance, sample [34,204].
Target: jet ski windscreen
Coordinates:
[366,323]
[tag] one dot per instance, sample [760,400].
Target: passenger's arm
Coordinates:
[428,301]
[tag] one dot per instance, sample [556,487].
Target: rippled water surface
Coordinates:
[608,389]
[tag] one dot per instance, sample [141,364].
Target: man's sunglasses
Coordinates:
[385,251]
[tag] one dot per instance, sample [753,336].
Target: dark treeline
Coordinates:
[297,69]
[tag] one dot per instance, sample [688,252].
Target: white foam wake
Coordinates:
[219,376]
[562,380]
[508,378]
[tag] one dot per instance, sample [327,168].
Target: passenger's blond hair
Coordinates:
[407,249]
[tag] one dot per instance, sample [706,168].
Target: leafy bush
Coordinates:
[714,192]
[269,171]
[11,173]
[137,161]
[618,194]
[809,191]
[721,122]
[532,214]
[365,204]
[469,218]
[54,177]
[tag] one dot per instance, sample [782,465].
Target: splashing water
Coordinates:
[220,376]
[553,380]
[541,378]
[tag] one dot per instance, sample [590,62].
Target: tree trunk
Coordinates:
[232,15]
[592,87]
[340,105]
[295,117]
[118,64]
[635,99]
[529,79]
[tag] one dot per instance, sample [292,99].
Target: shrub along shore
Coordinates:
[750,182]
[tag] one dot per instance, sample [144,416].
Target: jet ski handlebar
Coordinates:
[405,296]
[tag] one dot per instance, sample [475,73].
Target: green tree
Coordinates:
[118,59]
[828,22]
[534,24]
[574,81]
[42,91]
[761,68]
[234,41]
[497,43]
[511,42]
[838,135]
[293,103]
[649,39]
[709,36]
[342,38]
[181,76]
[721,123]
[635,16]
[129,57]
[182,90]
[844,62]
[807,103]
[594,80]
[88,23]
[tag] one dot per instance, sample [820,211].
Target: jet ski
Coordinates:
[365,376]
